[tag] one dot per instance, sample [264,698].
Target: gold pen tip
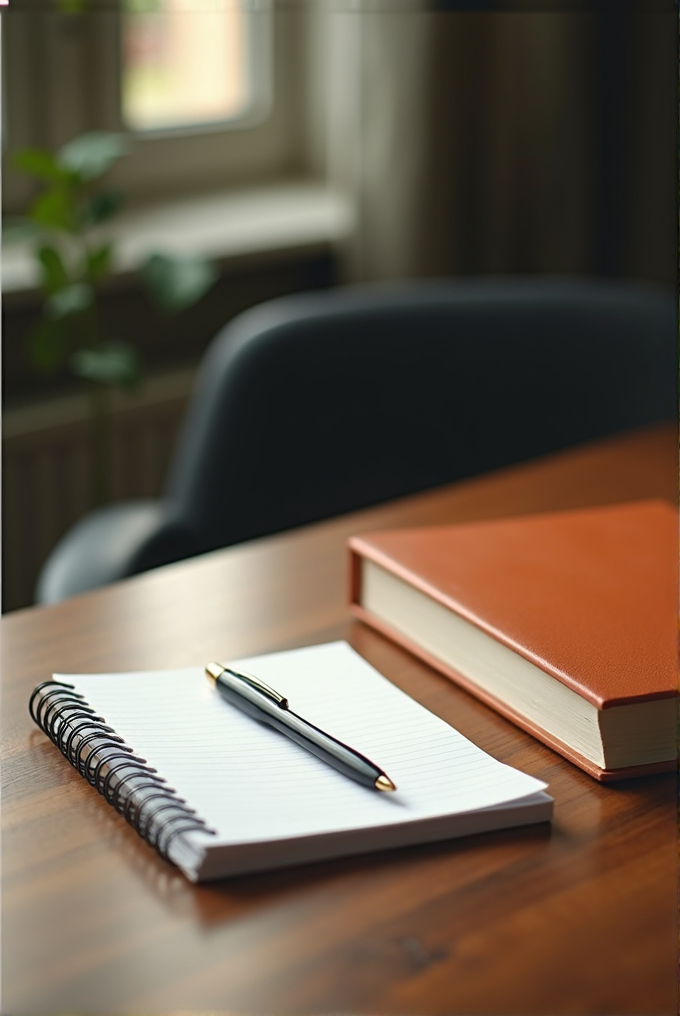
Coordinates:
[384,783]
[213,671]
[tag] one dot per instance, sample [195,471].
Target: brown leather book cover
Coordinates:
[589,596]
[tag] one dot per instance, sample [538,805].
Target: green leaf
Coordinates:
[52,269]
[47,345]
[90,155]
[115,363]
[71,300]
[174,283]
[101,206]
[99,262]
[38,162]
[53,210]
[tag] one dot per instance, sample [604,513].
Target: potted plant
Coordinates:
[66,223]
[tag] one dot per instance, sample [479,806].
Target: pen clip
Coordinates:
[252,681]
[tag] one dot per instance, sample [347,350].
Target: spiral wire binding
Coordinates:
[126,781]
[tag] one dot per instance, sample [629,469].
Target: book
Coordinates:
[219,794]
[564,622]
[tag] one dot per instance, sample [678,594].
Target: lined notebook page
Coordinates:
[251,783]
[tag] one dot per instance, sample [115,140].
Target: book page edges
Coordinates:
[359,549]
[603,775]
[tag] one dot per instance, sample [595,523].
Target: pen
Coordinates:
[258,700]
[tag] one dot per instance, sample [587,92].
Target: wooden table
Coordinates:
[574,918]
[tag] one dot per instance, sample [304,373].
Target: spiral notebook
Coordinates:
[219,794]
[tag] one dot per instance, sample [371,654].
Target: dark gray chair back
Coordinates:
[313,405]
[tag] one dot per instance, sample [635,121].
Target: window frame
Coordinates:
[62,77]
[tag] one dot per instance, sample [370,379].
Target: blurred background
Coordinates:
[297,145]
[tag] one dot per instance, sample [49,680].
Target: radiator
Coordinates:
[47,469]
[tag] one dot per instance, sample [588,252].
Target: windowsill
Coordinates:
[287,217]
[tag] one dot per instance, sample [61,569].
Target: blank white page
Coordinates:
[251,783]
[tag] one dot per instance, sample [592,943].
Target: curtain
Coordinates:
[502,142]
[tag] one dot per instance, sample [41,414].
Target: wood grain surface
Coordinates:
[574,918]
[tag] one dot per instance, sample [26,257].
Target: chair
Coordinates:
[317,404]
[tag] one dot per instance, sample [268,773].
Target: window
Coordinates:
[234,117]
[183,66]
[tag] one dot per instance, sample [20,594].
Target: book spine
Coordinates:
[126,781]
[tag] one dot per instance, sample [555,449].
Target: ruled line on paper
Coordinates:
[249,782]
